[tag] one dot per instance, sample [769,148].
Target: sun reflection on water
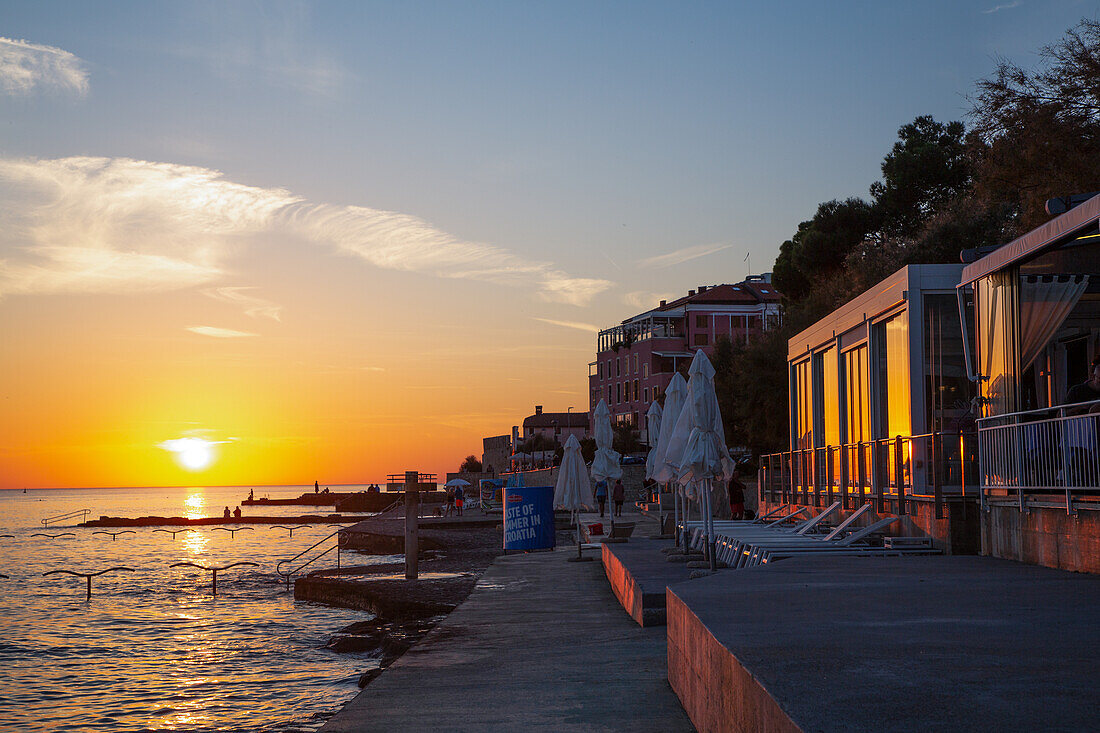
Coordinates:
[195,542]
[196,505]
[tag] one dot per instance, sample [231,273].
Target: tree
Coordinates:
[1039,128]
[626,439]
[470,465]
[819,247]
[927,169]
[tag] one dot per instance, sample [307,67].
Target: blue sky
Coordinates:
[481,184]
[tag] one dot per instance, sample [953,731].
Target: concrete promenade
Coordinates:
[540,645]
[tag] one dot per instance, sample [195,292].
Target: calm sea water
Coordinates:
[153,649]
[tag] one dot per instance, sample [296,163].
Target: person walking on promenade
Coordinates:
[618,495]
[460,499]
[450,501]
[601,494]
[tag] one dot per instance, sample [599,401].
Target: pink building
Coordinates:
[636,360]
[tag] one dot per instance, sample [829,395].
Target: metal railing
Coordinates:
[1047,453]
[890,472]
[82,513]
[287,573]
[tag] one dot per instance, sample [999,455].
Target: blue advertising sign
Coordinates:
[529,518]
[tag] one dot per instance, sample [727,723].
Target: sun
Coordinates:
[194,454]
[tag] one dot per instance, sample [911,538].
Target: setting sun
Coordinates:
[194,454]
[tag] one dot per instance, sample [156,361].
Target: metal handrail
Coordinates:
[233,532]
[1036,412]
[174,532]
[213,570]
[283,526]
[85,512]
[88,576]
[882,470]
[53,536]
[286,574]
[114,535]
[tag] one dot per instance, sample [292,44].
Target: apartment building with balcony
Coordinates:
[635,360]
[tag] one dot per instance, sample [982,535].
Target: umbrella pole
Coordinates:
[710,525]
[676,515]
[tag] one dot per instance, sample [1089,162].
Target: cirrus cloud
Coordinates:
[175,226]
[26,66]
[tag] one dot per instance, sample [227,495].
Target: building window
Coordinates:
[618,392]
[618,367]
[599,370]
[608,372]
[635,363]
[645,370]
[700,321]
[701,339]
[635,390]
[645,394]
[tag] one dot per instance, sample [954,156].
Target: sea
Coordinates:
[154,649]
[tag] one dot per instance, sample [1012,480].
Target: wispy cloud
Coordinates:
[94,225]
[646,300]
[1006,6]
[571,324]
[26,66]
[275,47]
[219,333]
[683,255]
[253,307]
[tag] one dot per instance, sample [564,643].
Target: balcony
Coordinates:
[626,335]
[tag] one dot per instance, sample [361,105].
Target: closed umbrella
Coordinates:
[705,456]
[573,489]
[653,432]
[670,445]
[605,464]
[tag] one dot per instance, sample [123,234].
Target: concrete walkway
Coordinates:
[540,645]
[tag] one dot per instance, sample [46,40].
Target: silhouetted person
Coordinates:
[237,512]
[250,494]
[226,513]
[316,488]
[618,495]
[460,499]
[1088,390]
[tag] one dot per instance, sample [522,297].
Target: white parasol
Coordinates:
[705,456]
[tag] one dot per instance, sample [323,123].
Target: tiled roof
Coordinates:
[744,293]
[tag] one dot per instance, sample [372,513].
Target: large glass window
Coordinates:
[947,389]
[892,361]
[803,405]
[830,397]
[857,406]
